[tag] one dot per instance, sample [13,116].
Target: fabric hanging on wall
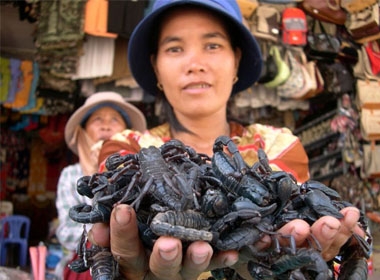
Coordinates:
[123,16]
[120,63]
[38,164]
[59,37]
[98,58]
[24,86]
[96,18]
[5,78]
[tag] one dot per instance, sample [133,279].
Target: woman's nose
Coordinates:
[106,125]
[196,62]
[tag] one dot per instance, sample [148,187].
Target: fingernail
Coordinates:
[230,261]
[328,231]
[199,259]
[169,255]
[122,217]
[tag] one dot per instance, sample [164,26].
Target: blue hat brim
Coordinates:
[139,49]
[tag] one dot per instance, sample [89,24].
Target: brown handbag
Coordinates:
[363,23]
[353,6]
[325,10]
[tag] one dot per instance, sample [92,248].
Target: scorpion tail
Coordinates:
[104,268]
[85,214]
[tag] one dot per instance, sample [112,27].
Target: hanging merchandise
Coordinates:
[325,10]
[5,78]
[299,81]
[294,26]
[321,45]
[316,80]
[247,7]
[338,77]
[371,160]
[16,79]
[370,124]
[368,94]
[363,68]
[353,6]
[363,23]
[95,18]
[269,69]
[24,87]
[283,68]
[373,52]
[97,51]
[266,23]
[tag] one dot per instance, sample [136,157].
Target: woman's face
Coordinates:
[195,62]
[104,123]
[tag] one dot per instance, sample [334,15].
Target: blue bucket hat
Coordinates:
[139,49]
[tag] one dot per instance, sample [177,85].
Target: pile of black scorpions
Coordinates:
[178,192]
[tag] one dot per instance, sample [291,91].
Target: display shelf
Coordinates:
[325,157]
[321,141]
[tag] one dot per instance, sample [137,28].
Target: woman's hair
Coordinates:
[169,114]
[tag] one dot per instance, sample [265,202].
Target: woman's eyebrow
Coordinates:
[215,35]
[169,39]
[209,35]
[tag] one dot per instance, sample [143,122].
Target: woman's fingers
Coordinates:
[166,259]
[100,235]
[332,234]
[197,259]
[126,245]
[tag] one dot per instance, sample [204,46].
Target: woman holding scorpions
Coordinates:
[194,54]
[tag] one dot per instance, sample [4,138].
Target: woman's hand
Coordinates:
[330,232]
[166,261]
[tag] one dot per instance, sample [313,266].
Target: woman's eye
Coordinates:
[173,49]
[213,46]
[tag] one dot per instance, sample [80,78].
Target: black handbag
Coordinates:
[338,77]
[321,46]
[269,70]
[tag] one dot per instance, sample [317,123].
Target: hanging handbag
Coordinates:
[370,124]
[266,23]
[362,68]
[299,81]
[283,68]
[296,79]
[325,10]
[352,6]
[363,23]
[321,46]
[373,52]
[338,77]
[269,67]
[371,161]
[317,77]
[247,7]
[368,94]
